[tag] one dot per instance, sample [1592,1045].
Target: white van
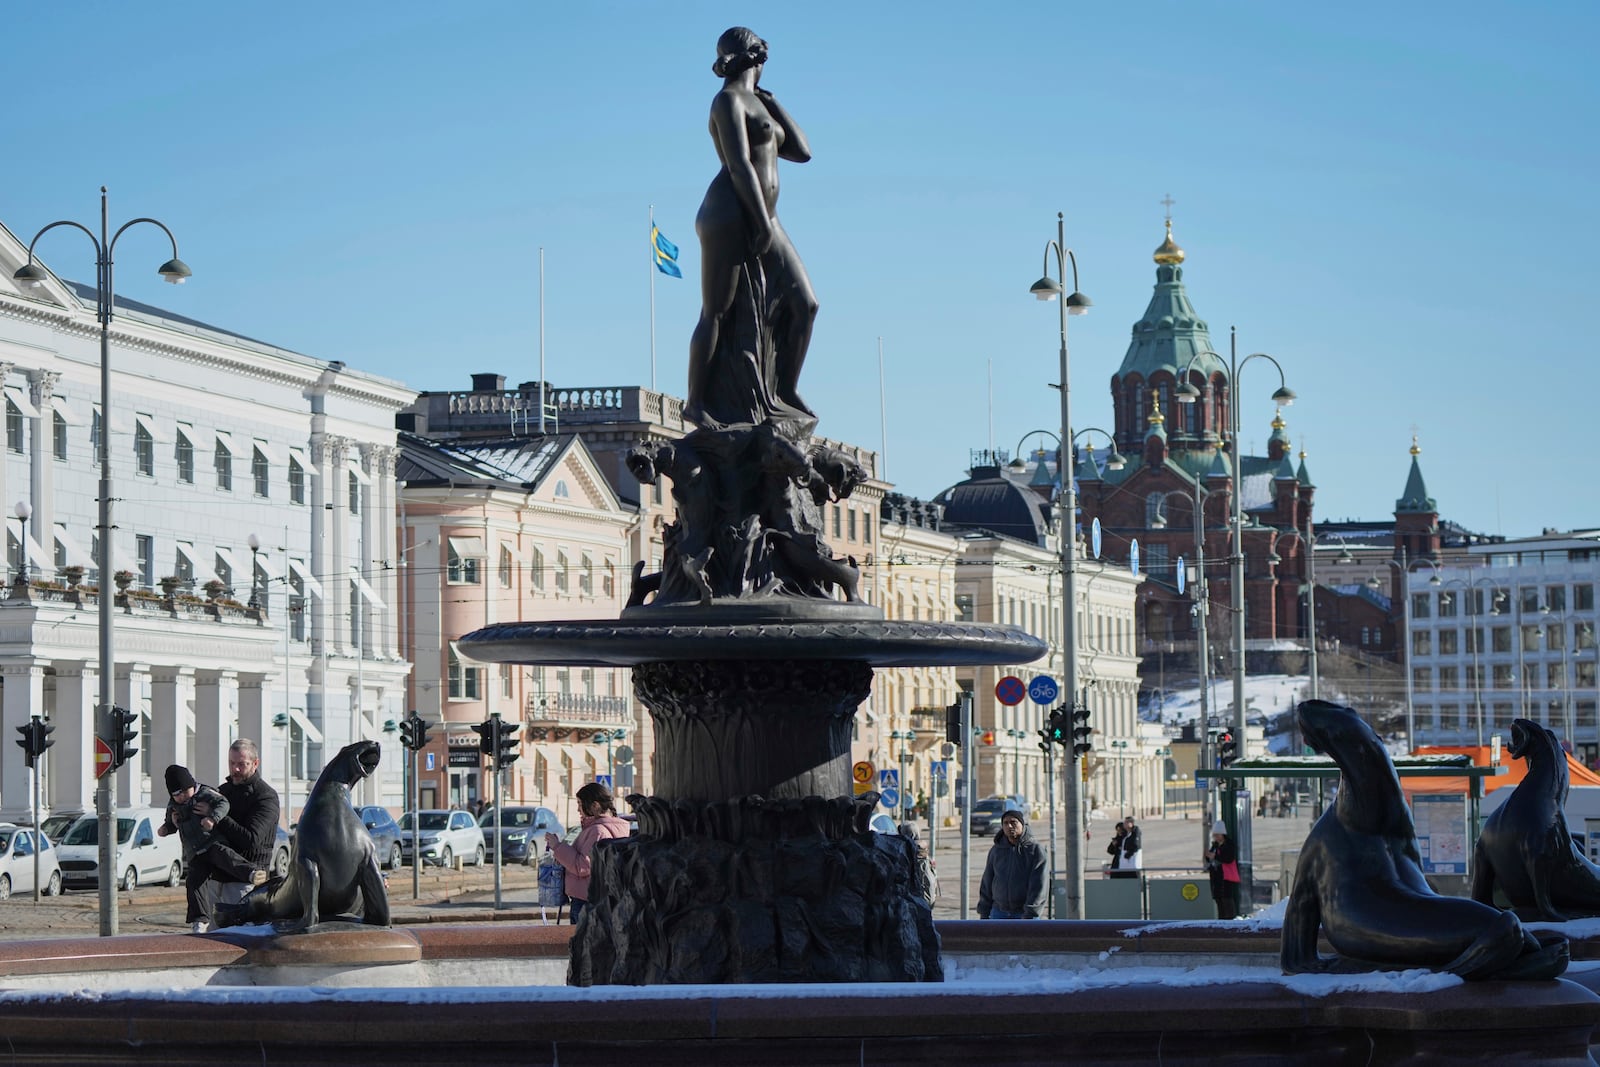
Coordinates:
[143,856]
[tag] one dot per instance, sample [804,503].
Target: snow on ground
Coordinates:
[1269,698]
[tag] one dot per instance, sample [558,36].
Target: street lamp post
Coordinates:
[1284,396]
[1202,611]
[24,511]
[1016,760]
[32,276]
[1075,303]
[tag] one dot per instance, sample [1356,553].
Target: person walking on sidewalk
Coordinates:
[1131,849]
[1222,864]
[1013,885]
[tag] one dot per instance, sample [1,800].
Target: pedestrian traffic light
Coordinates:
[987,737]
[1057,727]
[123,735]
[506,745]
[1227,750]
[486,735]
[414,732]
[1081,732]
[35,739]
[952,723]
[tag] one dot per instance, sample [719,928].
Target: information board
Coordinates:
[1441,822]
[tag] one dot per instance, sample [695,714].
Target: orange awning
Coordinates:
[1515,770]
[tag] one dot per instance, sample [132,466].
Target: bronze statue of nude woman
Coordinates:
[757,305]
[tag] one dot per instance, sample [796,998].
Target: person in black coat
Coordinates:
[1223,891]
[1013,885]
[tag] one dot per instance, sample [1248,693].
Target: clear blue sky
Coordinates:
[1394,200]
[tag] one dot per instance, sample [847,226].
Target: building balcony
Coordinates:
[558,716]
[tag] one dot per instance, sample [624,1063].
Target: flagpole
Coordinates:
[883,421]
[541,341]
[652,269]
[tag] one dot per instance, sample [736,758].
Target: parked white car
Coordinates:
[143,857]
[16,862]
[445,835]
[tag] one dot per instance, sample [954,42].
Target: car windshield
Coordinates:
[511,818]
[87,832]
[993,807]
[430,820]
[5,839]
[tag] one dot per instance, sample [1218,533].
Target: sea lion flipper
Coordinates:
[374,895]
[1482,875]
[1301,920]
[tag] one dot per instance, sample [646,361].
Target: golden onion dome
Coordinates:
[1416,449]
[1169,252]
[1277,420]
[1155,417]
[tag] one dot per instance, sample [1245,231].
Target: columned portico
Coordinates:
[71,758]
[23,696]
[216,701]
[171,691]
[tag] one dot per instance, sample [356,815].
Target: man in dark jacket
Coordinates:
[1130,850]
[251,825]
[1013,885]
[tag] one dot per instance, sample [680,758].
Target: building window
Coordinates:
[60,555]
[1583,597]
[59,429]
[182,569]
[222,459]
[224,571]
[505,567]
[1530,638]
[1421,606]
[463,679]
[13,426]
[94,433]
[1555,676]
[144,450]
[1500,639]
[586,575]
[259,471]
[837,521]
[1447,606]
[1449,679]
[461,570]
[964,608]
[852,525]
[1422,679]
[1449,642]
[536,570]
[355,492]
[1584,673]
[1530,599]
[561,572]
[867,522]
[1583,636]
[1502,676]
[297,482]
[562,492]
[183,452]
[1555,598]
[505,680]
[1366,638]
[609,582]
[144,550]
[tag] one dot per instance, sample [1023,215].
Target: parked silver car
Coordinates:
[444,836]
[16,862]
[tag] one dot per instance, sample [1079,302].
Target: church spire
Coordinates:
[1415,500]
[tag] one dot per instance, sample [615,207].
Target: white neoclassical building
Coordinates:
[214,438]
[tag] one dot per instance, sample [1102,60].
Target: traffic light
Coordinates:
[987,737]
[1081,732]
[1227,749]
[952,723]
[414,732]
[507,747]
[35,739]
[123,735]
[488,733]
[1057,727]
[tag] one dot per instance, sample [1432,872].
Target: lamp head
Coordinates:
[1284,396]
[254,542]
[1045,288]
[24,510]
[30,275]
[175,271]
[1187,393]
[1078,304]
[1115,460]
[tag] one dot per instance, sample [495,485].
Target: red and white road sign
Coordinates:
[102,758]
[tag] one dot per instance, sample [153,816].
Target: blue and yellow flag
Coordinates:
[666,253]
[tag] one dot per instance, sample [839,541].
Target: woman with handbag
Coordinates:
[1222,862]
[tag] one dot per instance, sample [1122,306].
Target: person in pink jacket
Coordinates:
[600,820]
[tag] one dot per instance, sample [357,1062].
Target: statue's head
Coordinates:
[738,50]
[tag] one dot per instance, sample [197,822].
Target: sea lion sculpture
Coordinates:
[1526,850]
[1359,881]
[333,863]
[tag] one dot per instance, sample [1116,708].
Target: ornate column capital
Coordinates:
[44,386]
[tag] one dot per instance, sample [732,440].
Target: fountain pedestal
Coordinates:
[753,861]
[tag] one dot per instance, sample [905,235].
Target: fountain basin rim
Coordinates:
[629,642]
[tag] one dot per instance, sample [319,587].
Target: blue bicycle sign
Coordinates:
[1043,690]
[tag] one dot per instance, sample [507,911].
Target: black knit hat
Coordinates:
[178,779]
